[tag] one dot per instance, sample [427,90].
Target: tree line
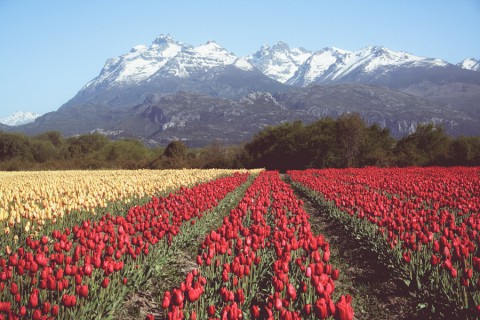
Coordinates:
[52,151]
[349,142]
[344,142]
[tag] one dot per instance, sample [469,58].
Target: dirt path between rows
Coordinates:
[375,294]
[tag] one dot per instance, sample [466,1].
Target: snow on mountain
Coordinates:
[470,64]
[243,64]
[279,62]
[164,57]
[334,64]
[18,118]
[140,63]
[317,64]
[167,57]
[198,59]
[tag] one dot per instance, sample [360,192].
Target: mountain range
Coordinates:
[18,118]
[171,90]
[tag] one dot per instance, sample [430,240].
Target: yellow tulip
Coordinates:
[47,196]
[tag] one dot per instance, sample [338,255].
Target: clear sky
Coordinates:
[50,49]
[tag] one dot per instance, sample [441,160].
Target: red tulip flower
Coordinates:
[344,310]
[33,301]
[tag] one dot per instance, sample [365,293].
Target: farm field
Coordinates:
[424,221]
[224,244]
[28,200]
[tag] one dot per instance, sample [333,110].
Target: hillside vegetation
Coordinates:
[344,142]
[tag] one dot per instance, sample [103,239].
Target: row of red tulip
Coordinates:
[57,274]
[430,215]
[263,262]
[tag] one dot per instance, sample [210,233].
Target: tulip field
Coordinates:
[263,262]
[59,273]
[30,199]
[427,219]
[75,244]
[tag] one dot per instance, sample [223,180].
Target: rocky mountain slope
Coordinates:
[199,119]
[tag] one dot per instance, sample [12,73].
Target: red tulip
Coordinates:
[292,293]
[335,274]
[211,310]
[22,312]
[321,310]
[46,308]
[307,309]
[33,301]
[278,303]
[13,288]
[87,269]
[344,310]
[255,312]
[105,282]
[83,291]
[166,300]
[37,314]
[193,294]
[54,311]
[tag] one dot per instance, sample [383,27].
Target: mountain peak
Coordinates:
[212,50]
[210,45]
[470,64]
[162,39]
[332,64]
[279,62]
[294,66]
[281,46]
[19,117]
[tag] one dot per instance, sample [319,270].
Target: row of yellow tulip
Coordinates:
[44,196]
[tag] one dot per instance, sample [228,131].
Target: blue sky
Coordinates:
[50,49]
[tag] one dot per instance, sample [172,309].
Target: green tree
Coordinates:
[320,144]
[54,137]
[459,152]
[377,148]
[87,144]
[127,150]
[427,146]
[350,129]
[176,149]
[14,146]
[43,151]
[276,147]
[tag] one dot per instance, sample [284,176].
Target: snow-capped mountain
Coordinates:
[332,64]
[279,62]
[18,118]
[197,60]
[168,66]
[204,92]
[165,57]
[470,64]
[139,64]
